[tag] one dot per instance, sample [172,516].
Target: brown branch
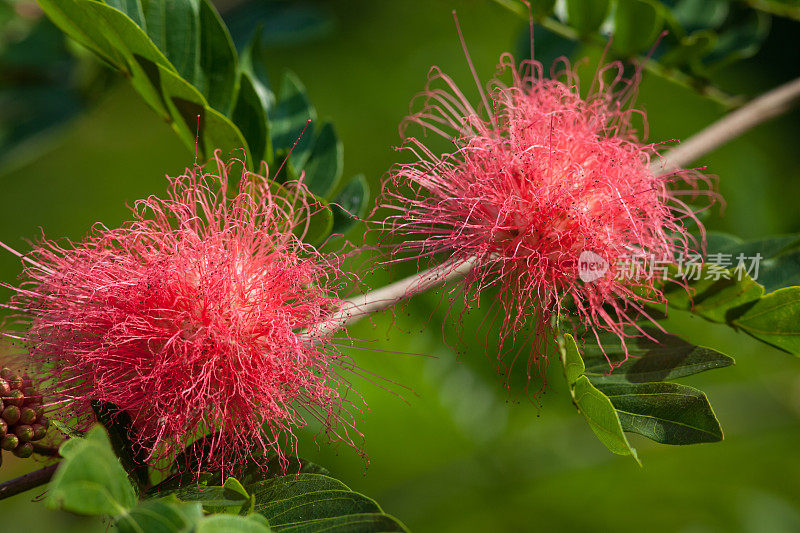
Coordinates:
[37,478]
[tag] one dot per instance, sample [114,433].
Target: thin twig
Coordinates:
[27,482]
[356,308]
[734,124]
[767,106]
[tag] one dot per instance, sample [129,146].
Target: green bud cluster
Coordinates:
[22,419]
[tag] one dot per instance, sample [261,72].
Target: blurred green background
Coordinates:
[459,453]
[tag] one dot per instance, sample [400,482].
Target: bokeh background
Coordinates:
[458,452]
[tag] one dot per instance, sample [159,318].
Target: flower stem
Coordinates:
[761,109]
[27,482]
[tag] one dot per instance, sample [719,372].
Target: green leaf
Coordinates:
[324,167]
[174,27]
[231,524]
[119,426]
[586,17]
[573,363]
[779,266]
[67,430]
[637,23]
[775,319]
[691,50]
[358,523]
[780,271]
[302,501]
[141,59]
[660,357]
[160,516]
[601,416]
[90,480]
[217,70]
[186,104]
[132,8]
[351,202]
[231,497]
[780,8]
[250,117]
[289,118]
[291,485]
[114,35]
[740,39]
[253,60]
[669,413]
[317,505]
[720,300]
[701,14]
[320,224]
[74,20]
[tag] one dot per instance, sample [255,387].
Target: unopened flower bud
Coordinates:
[15,398]
[5,387]
[6,373]
[27,416]
[24,450]
[24,433]
[30,392]
[3,428]
[11,414]
[39,432]
[9,442]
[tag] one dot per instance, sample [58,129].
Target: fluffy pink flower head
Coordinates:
[190,317]
[542,183]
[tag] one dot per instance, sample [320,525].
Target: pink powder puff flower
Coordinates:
[190,317]
[542,185]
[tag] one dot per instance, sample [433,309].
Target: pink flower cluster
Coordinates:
[538,175]
[190,317]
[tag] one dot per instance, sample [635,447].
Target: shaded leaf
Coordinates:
[218,62]
[132,8]
[253,61]
[74,20]
[319,226]
[669,413]
[250,117]
[740,39]
[350,204]
[174,27]
[637,23]
[661,357]
[131,454]
[289,118]
[324,166]
[700,14]
[586,17]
